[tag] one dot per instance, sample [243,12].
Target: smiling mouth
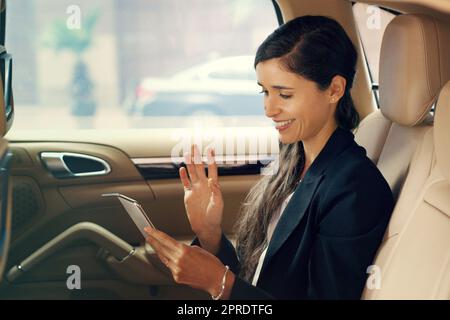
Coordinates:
[282,125]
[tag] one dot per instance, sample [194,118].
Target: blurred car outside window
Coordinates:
[109,64]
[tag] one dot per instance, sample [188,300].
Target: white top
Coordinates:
[271,228]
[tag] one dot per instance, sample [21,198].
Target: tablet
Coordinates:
[135,211]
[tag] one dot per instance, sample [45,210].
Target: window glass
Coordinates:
[137,63]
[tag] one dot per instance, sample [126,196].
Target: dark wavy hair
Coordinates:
[316,48]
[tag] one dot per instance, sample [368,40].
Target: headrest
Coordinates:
[414,65]
[442,131]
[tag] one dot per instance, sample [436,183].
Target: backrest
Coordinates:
[414,260]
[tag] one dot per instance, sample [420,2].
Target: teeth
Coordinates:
[284,123]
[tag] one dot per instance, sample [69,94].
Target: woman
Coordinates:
[311,230]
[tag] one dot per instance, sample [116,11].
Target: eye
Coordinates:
[264,91]
[284,96]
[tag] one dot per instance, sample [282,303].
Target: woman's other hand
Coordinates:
[203,198]
[190,265]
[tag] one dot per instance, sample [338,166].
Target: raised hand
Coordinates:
[202,196]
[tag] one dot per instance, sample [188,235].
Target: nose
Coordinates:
[270,108]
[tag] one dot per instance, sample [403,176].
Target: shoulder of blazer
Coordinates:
[354,196]
[353,167]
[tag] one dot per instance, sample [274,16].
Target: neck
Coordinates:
[314,145]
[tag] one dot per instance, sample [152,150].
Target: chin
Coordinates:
[287,139]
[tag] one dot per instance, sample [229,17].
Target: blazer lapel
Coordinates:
[292,215]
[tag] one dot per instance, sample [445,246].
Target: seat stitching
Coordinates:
[426,58]
[439,52]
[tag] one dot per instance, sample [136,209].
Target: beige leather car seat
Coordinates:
[414,65]
[414,261]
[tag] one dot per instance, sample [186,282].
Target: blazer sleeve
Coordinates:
[349,233]
[242,290]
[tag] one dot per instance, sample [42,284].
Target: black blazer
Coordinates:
[329,232]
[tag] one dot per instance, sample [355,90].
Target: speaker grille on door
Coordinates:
[27,202]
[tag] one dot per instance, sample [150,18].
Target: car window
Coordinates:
[371,22]
[136,64]
[233,73]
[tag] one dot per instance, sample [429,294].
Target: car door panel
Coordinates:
[47,206]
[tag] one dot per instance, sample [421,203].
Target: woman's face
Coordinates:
[299,109]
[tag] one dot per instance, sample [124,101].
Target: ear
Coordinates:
[337,88]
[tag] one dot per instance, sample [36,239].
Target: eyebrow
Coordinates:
[278,87]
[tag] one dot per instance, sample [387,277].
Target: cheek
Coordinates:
[320,114]
[319,108]
[311,117]
[311,112]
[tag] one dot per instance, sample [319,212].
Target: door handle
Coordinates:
[72,165]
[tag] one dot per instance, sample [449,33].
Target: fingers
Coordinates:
[196,167]
[165,243]
[212,166]
[159,250]
[167,249]
[184,178]
[166,260]
[190,167]
[199,165]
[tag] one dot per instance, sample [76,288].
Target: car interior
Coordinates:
[53,214]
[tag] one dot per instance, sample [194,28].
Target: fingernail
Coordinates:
[147,229]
